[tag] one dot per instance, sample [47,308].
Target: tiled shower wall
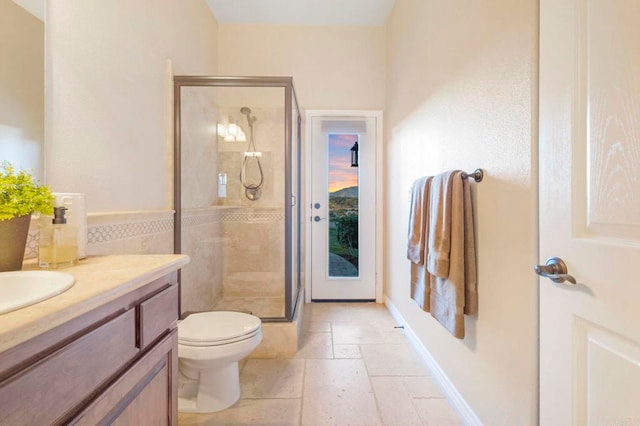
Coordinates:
[201,235]
[269,140]
[253,260]
[202,239]
[253,263]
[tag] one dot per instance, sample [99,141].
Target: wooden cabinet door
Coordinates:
[145,394]
[49,391]
[149,406]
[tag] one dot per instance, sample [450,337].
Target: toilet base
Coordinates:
[215,389]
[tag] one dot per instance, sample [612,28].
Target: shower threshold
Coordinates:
[263,307]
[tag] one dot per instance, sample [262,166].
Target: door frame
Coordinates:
[379,172]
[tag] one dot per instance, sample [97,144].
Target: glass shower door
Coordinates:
[237,175]
[295,206]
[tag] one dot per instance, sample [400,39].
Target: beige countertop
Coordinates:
[99,280]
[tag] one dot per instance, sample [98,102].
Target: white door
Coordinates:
[343,207]
[590,211]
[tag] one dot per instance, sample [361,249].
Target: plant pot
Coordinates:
[13,240]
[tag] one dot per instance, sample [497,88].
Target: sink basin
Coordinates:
[23,288]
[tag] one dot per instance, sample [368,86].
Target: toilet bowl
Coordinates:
[210,344]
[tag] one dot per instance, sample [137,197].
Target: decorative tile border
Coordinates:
[109,227]
[120,231]
[253,217]
[200,220]
[31,250]
[201,216]
[215,214]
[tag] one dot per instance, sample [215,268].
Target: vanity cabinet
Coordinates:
[114,364]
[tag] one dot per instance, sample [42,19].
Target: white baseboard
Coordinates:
[453,396]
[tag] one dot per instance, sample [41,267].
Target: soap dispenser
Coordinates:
[58,245]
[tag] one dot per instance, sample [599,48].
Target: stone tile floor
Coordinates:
[353,368]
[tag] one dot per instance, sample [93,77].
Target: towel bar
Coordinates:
[477,175]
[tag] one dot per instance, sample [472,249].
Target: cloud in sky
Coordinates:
[341,174]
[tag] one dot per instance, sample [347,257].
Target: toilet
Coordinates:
[210,344]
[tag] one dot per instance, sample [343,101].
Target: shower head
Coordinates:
[247,111]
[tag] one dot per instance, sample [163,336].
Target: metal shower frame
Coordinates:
[290,199]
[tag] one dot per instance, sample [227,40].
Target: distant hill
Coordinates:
[350,192]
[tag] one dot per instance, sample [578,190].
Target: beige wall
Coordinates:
[108,95]
[21,88]
[332,67]
[461,95]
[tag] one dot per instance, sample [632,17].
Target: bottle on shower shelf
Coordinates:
[222,186]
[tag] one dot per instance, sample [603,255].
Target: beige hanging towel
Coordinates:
[440,215]
[417,241]
[418,220]
[455,294]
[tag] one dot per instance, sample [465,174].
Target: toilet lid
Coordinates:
[217,326]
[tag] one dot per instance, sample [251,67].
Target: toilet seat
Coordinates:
[217,328]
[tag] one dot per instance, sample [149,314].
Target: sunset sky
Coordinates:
[341,174]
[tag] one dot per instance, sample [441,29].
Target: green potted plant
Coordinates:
[20,197]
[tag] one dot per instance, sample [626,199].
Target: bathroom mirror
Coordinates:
[22,84]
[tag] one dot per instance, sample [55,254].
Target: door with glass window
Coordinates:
[342,206]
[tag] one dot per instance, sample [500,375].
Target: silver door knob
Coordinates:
[555,269]
[318,218]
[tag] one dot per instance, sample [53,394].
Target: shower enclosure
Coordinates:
[236,192]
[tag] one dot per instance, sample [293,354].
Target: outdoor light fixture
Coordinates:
[354,154]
